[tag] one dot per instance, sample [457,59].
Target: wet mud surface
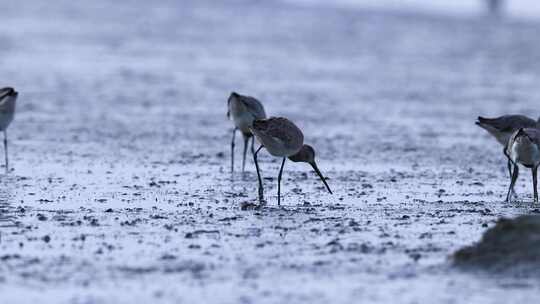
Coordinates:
[120,190]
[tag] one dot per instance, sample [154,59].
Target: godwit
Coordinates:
[502,129]
[283,139]
[8,96]
[524,148]
[244,110]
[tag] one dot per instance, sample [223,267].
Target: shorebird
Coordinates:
[283,139]
[524,148]
[8,96]
[502,129]
[243,110]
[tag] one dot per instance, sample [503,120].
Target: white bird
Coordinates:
[243,110]
[283,139]
[524,148]
[8,97]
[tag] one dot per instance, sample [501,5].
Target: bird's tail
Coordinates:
[484,121]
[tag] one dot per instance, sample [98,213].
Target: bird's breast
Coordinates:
[525,153]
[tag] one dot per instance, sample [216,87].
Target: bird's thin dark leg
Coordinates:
[232,149]
[279,182]
[246,139]
[535,183]
[515,170]
[510,174]
[512,182]
[253,145]
[261,191]
[6,150]
[517,176]
[509,165]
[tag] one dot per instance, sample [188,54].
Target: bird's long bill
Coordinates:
[321,176]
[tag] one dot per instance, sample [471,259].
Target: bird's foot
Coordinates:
[262,202]
[251,206]
[512,195]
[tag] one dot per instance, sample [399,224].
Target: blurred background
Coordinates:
[515,8]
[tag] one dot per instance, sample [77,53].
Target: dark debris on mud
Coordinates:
[512,245]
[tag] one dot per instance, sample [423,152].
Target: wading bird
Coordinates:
[243,110]
[502,129]
[524,148]
[8,97]
[283,139]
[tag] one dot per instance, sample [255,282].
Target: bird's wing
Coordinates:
[508,123]
[254,106]
[534,135]
[285,131]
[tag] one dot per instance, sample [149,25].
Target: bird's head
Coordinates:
[232,98]
[8,97]
[8,92]
[307,155]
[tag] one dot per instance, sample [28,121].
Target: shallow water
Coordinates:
[121,193]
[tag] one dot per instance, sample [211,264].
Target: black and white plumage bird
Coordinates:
[8,98]
[524,148]
[502,128]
